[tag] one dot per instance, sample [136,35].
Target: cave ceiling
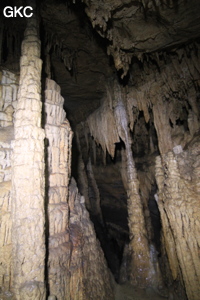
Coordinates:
[89,41]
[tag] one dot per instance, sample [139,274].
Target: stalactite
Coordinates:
[102,127]
[67,55]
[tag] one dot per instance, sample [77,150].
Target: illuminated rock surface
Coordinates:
[100,151]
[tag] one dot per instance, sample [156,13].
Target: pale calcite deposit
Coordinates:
[162,102]
[8,100]
[8,97]
[114,126]
[146,126]
[6,135]
[27,196]
[76,266]
[178,201]
[46,237]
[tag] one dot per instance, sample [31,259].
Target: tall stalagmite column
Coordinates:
[28,217]
[144,270]
[59,136]
[179,204]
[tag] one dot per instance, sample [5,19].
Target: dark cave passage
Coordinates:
[110,218]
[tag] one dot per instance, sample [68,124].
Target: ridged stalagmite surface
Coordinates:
[76,265]
[178,201]
[58,171]
[143,272]
[89,275]
[28,217]
[6,135]
[129,72]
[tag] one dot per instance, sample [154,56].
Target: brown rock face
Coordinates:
[178,201]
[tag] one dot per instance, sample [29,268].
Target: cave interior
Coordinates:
[100,150]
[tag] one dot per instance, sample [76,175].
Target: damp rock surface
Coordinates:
[128,292]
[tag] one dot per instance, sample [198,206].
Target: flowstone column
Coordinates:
[177,176]
[59,139]
[144,270]
[28,217]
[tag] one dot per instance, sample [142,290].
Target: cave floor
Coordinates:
[128,292]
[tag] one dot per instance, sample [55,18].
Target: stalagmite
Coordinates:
[82,175]
[89,275]
[179,206]
[102,127]
[8,95]
[142,271]
[70,264]
[58,135]
[94,195]
[136,157]
[28,216]
[162,125]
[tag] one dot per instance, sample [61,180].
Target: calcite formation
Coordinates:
[48,243]
[142,271]
[116,180]
[73,248]
[178,201]
[168,100]
[8,92]
[8,96]
[58,139]
[143,26]
[28,182]
[5,204]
